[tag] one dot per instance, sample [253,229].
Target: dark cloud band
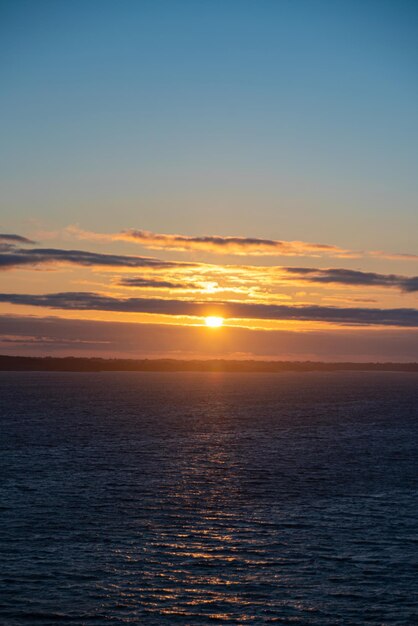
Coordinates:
[154,284]
[354,277]
[14,239]
[18,257]
[75,337]
[85,301]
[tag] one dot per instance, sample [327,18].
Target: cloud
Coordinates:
[13,239]
[394,256]
[88,301]
[19,257]
[354,277]
[237,245]
[12,257]
[42,340]
[155,284]
[217,244]
[56,336]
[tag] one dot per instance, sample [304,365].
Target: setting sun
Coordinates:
[214,322]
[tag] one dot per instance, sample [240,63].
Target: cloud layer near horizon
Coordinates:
[51,335]
[253,296]
[88,301]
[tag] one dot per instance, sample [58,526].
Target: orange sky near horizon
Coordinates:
[163,163]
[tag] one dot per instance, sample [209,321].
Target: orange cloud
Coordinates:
[394,256]
[217,244]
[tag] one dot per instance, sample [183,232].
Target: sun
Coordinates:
[214,322]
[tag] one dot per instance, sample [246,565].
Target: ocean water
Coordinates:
[201,498]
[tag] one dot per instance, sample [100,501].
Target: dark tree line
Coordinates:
[79,364]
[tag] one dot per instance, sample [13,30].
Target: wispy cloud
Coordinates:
[46,341]
[155,284]
[394,256]
[35,257]
[217,244]
[354,277]
[85,301]
[13,257]
[234,245]
[14,239]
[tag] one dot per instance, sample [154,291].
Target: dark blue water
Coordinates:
[143,498]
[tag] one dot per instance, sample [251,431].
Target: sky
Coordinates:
[163,161]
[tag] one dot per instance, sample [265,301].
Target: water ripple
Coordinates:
[145,498]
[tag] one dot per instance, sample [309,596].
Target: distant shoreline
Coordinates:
[84,364]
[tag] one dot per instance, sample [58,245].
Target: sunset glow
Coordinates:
[209,311]
[214,322]
[129,228]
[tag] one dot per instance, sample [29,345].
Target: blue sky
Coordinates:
[287,119]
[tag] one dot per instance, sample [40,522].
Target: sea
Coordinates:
[208,498]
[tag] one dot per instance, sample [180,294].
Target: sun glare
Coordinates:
[214,322]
